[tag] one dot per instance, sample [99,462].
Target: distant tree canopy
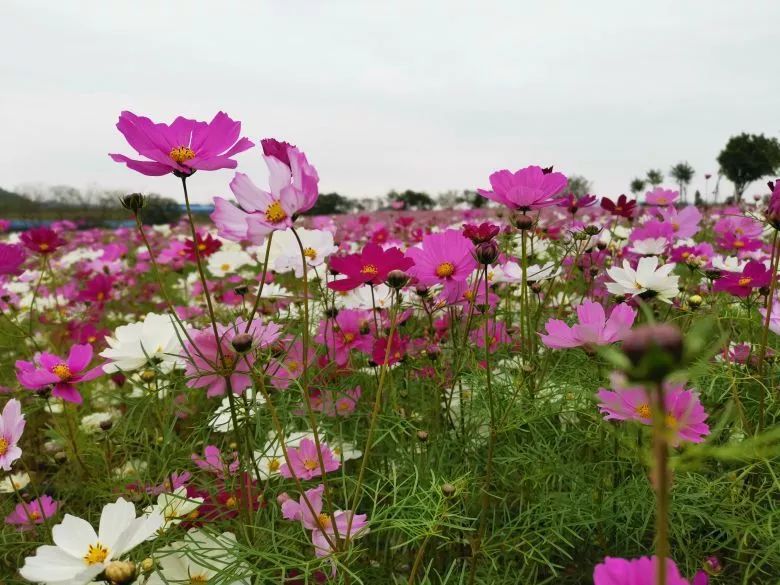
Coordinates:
[412,199]
[451,198]
[637,185]
[159,210]
[747,158]
[655,177]
[578,186]
[333,204]
[682,173]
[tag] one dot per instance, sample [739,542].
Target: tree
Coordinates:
[159,210]
[332,204]
[412,199]
[578,186]
[682,173]
[655,177]
[637,186]
[747,158]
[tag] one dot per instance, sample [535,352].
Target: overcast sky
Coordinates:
[428,95]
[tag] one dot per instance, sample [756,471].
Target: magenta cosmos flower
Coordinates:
[684,414]
[11,259]
[11,426]
[293,189]
[594,328]
[183,147]
[47,369]
[26,515]
[741,284]
[370,266]
[204,367]
[661,197]
[42,240]
[444,258]
[305,463]
[641,571]
[527,189]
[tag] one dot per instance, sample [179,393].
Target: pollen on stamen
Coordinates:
[445,270]
[62,371]
[275,213]
[181,154]
[96,553]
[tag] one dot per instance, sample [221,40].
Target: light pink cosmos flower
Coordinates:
[293,189]
[350,329]
[684,223]
[26,515]
[213,462]
[47,369]
[661,196]
[183,147]
[289,366]
[594,328]
[11,427]
[304,461]
[527,189]
[312,518]
[685,415]
[641,571]
[204,368]
[444,258]
[774,316]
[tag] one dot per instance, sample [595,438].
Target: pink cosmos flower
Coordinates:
[685,223]
[641,571]
[661,196]
[741,284]
[42,240]
[594,328]
[98,289]
[293,190]
[527,189]
[204,367]
[289,366]
[444,258]
[183,147]
[351,330]
[11,259]
[47,369]
[213,461]
[774,316]
[26,515]
[309,513]
[370,266]
[739,243]
[685,415]
[739,225]
[11,427]
[304,461]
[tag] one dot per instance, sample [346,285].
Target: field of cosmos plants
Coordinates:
[548,389]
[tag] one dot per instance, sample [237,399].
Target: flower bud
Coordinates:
[133,202]
[147,564]
[331,312]
[148,376]
[242,342]
[713,566]
[448,490]
[422,436]
[592,230]
[241,290]
[535,287]
[120,572]
[397,279]
[654,351]
[486,253]
[695,301]
[106,425]
[522,222]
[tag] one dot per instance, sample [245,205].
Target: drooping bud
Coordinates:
[120,572]
[592,230]
[242,342]
[241,290]
[654,351]
[522,222]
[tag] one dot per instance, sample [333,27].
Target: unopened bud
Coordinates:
[713,566]
[148,376]
[397,279]
[486,253]
[241,290]
[120,572]
[106,425]
[654,350]
[448,490]
[134,202]
[522,222]
[592,230]
[147,564]
[422,436]
[242,342]
[695,301]
[535,287]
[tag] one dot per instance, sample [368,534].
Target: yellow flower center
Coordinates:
[43,247]
[3,446]
[275,213]
[744,281]
[182,153]
[293,365]
[225,267]
[324,520]
[369,269]
[231,502]
[310,464]
[445,270]
[34,515]
[96,553]
[671,421]
[349,337]
[643,410]
[62,371]
[274,464]
[739,244]
[201,246]
[198,579]
[310,253]
[101,296]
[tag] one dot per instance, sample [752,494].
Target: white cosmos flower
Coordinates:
[173,507]
[14,482]
[649,247]
[156,338]
[222,419]
[79,554]
[728,263]
[225,262]
[360,297]
[199,558]
[512,272]
[647,278]
[285,254]
[91,422]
